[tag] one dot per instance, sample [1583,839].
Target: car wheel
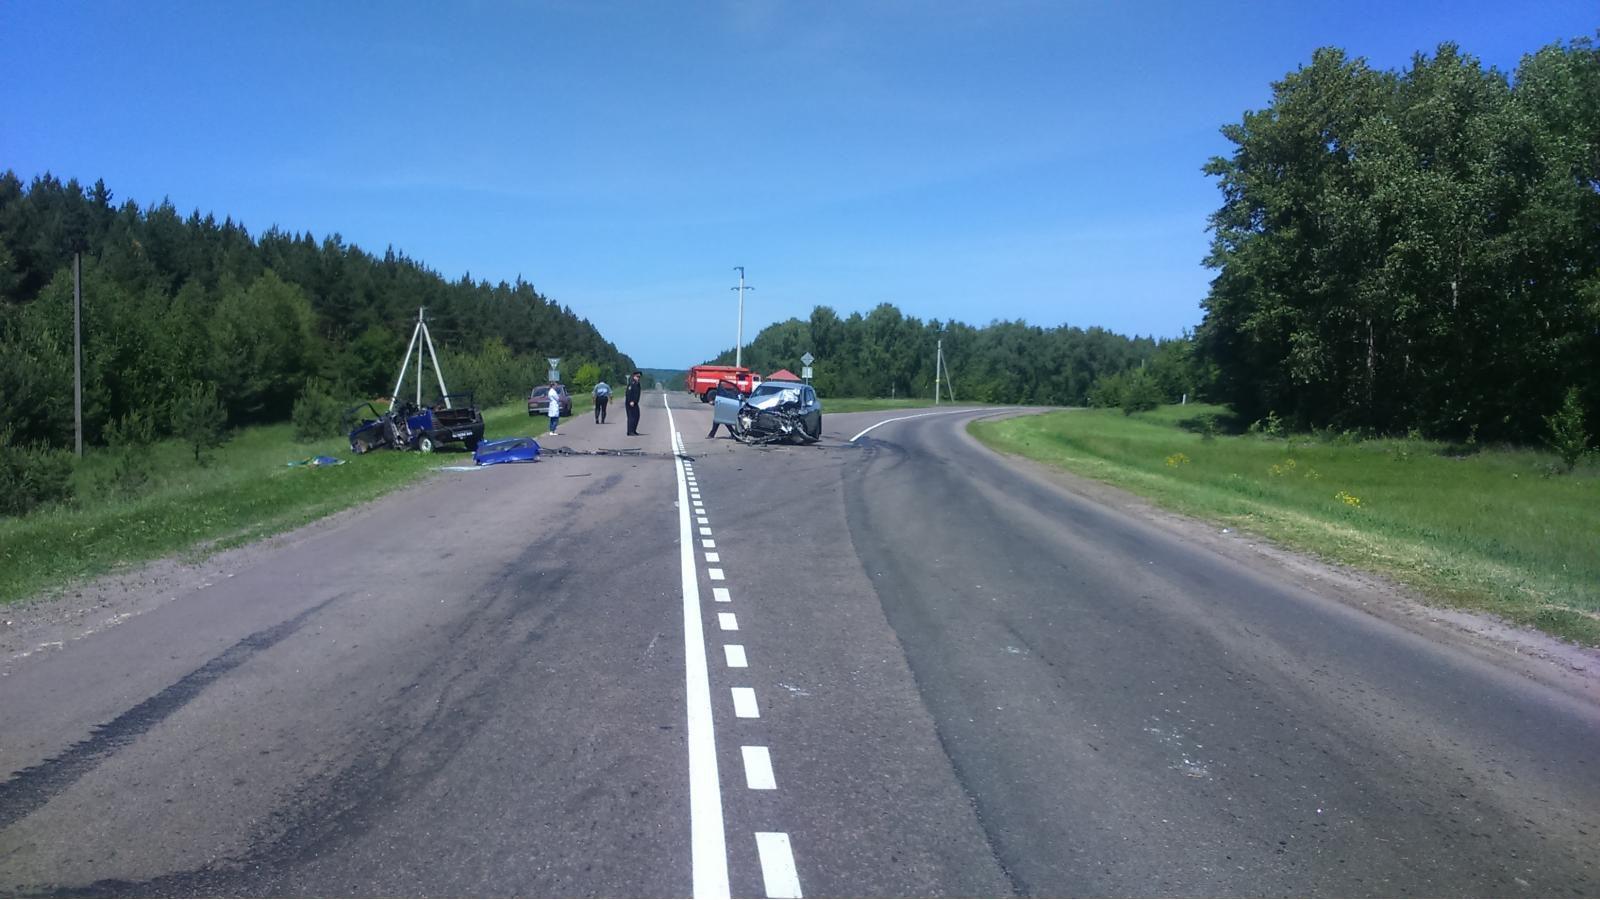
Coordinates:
[424,443]
[706,397]
[359,446]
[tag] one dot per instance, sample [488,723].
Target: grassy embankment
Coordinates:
[1491,530]
[243,492]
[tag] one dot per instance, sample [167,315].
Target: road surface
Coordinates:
[894,666]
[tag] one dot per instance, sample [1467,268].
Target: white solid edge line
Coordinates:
[777,864]
[707,836]
[735,655]
[744,703]
[902,419]
[721,595]
[758,769]
[727,621]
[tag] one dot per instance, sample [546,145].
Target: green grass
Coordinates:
[872,404]
[1491,531]
[245,491]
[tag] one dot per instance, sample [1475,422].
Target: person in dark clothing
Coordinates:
[630,400]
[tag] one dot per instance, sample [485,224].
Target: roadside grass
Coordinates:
[872,404]
[1492,530]
[243,492]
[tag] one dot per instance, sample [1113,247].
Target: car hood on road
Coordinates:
[506,450]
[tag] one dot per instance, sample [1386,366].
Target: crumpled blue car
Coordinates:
[506,450]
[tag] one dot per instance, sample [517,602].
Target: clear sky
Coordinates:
[1033,160]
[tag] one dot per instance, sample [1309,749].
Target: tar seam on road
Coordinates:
[707,840]
[863,431]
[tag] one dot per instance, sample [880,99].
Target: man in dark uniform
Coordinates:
[630,399]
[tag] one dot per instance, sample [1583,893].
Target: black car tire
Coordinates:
[424,443]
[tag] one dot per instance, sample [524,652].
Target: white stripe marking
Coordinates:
[716,574]
[707,839]
[902,419]
[777,864]
[744,703]
[758,769]
[728,621]
[702,520]
[735,655]
[708,544]
[713,557]
[706,532]
[722,595]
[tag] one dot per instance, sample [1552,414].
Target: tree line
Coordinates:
[1412,250]
[176,307]
[887,353]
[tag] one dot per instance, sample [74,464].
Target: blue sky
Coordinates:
[1033,160]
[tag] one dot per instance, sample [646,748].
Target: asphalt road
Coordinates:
[896,666]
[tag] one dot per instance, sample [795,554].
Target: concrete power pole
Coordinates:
[738,346]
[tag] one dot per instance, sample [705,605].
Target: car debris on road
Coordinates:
[506,450]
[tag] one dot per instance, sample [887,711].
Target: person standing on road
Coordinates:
[630,400]
[602,398]
[553,409]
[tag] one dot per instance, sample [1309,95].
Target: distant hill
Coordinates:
[670,379]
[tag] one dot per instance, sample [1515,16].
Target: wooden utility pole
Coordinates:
[77,351]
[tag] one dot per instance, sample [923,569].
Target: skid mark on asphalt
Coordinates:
[33,787]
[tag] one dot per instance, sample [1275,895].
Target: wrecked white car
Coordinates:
[787,411]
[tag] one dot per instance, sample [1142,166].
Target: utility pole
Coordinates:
[938,364]
[77,350]
[738,347]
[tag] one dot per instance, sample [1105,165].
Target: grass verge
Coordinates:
[244,491]
[1493,531]
[872,404]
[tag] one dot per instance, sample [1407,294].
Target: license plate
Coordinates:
[462,434]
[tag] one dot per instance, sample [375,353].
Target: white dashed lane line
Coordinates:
[744,703]
[707,832]
[758,769]
[778,874]
[777,864]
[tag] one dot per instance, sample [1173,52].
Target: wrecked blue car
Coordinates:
[506,450]
[406,426]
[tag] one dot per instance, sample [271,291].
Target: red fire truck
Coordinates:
[703,380]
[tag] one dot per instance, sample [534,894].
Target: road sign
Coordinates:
[555,370]
[805,372]
[807,359]
[552,375]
